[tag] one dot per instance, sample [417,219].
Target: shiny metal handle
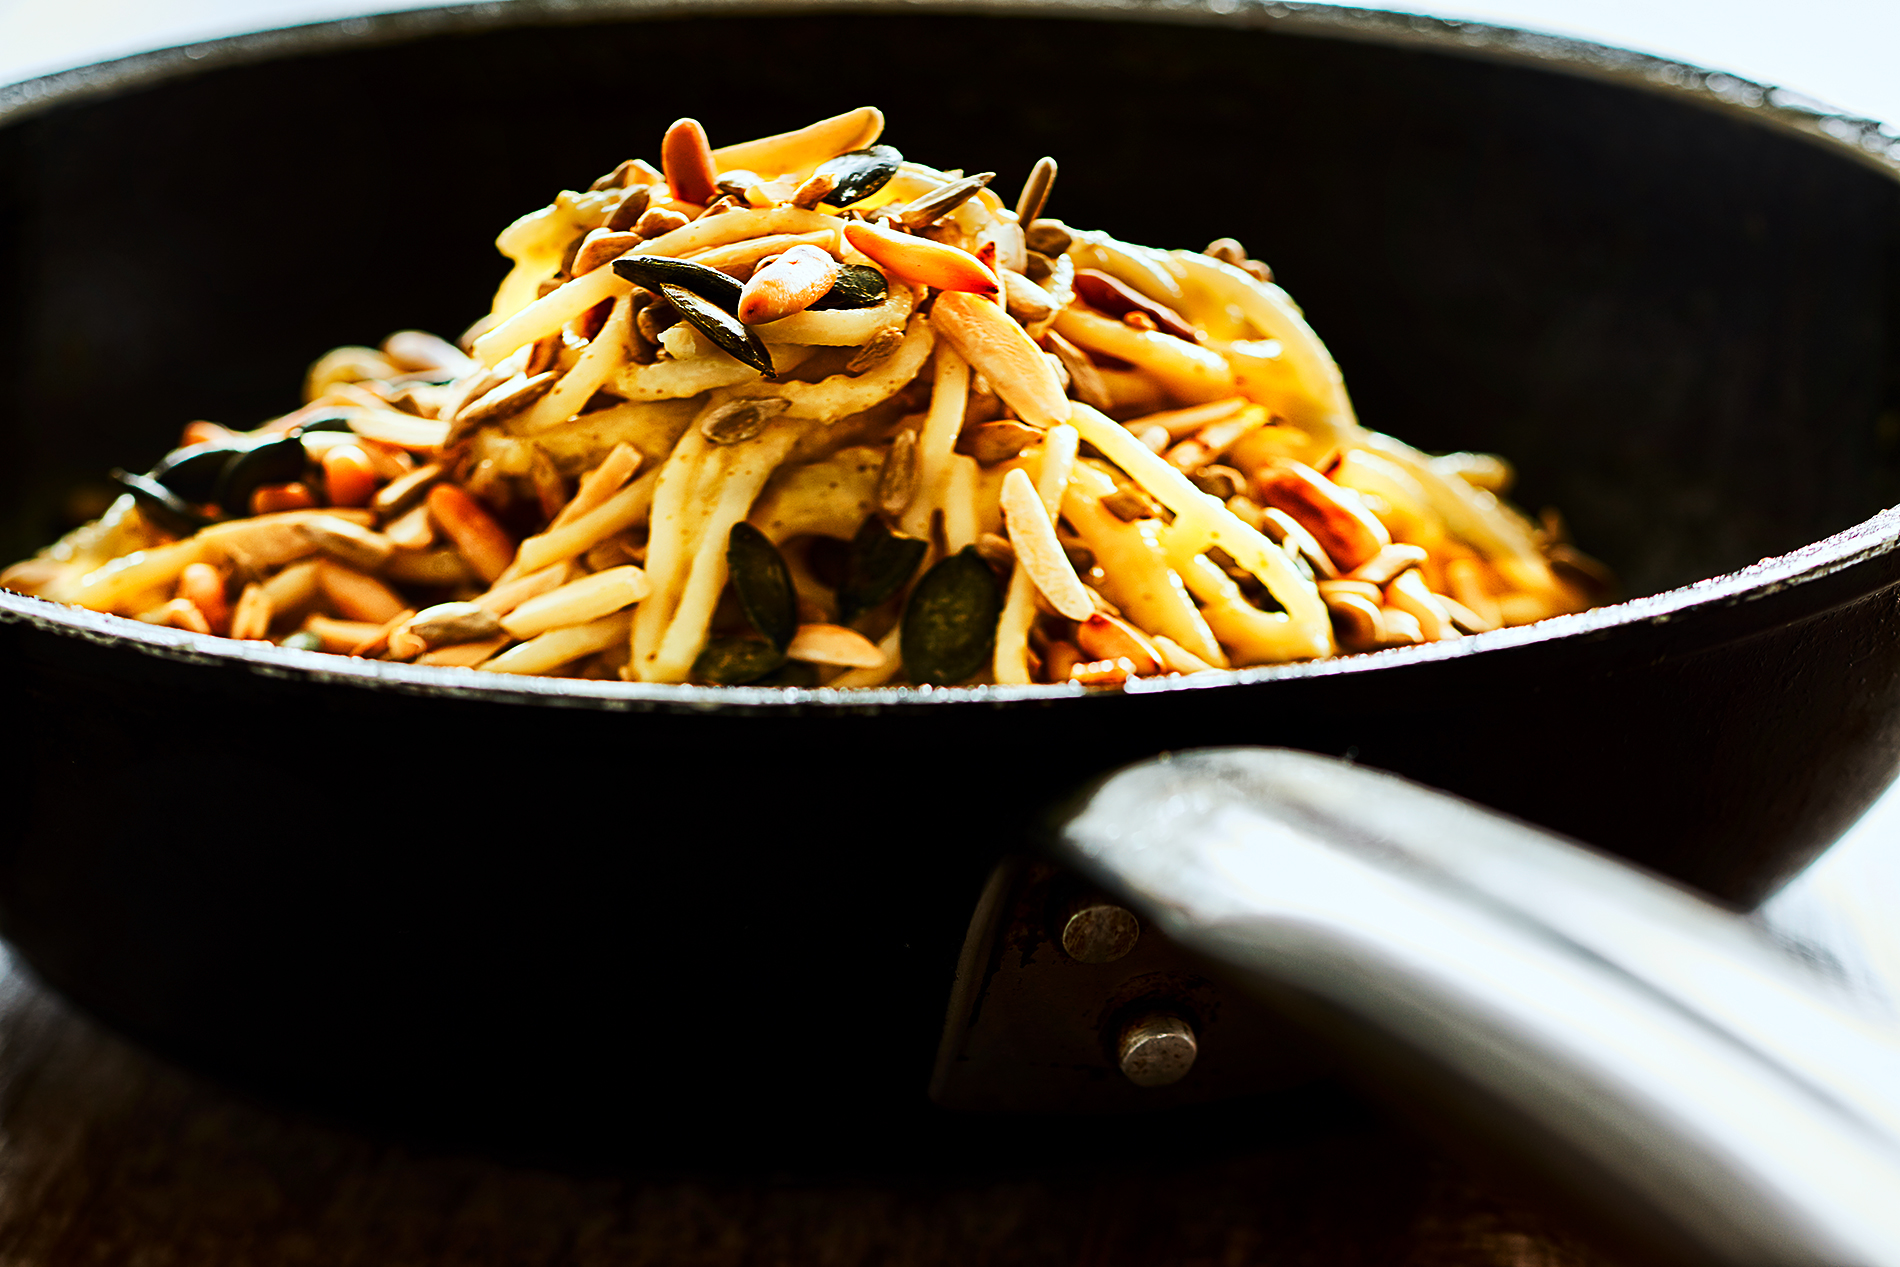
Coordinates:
[1652,1054]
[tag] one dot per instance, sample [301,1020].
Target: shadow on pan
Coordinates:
[559,921]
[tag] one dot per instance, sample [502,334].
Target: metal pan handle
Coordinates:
[1651,1055]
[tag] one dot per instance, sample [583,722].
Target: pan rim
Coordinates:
[1864,141]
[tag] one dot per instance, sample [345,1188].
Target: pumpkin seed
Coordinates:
[274,462]
[859,174]
[656,271]
[738,420]
[338,423]
[192,473]
[159,504]
[858,286]
[737,340]
[763,584]
[950,622]
[791,673]
[876,567]
[926,210]
[731,661]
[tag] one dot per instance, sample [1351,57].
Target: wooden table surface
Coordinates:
[109,1155]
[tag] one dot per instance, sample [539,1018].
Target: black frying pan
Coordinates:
[570,914]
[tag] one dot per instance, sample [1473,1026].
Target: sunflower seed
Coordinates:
[897,480]
[1042,178]
[740,420]
[927,209]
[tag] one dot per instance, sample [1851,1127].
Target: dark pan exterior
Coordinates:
[574,913]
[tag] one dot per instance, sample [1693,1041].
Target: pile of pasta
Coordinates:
[799,411]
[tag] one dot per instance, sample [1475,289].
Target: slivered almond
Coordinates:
[1348,532]
[834,644]
[1358,622]
[1386,565]
[511,594]
[1038,550]
[578,602]
[1002,352]
[919,260]
[1409,594]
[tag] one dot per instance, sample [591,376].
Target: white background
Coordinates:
[1842,52]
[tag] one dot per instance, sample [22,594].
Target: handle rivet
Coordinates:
[1157,1049]
[1100,932]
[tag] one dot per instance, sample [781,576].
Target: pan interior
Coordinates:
[1674,320]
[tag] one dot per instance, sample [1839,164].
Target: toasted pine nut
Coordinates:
[1103,637]
[1002,352]
[1408,593]
[1038,550]
[1391,560]
[203,585]
[271,498]
[485,544]
[356,596]
[687,160]
[349,477]
[834,644]
[340,637]
[1348,532]
[578,602]
[792,282]
[922,261]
